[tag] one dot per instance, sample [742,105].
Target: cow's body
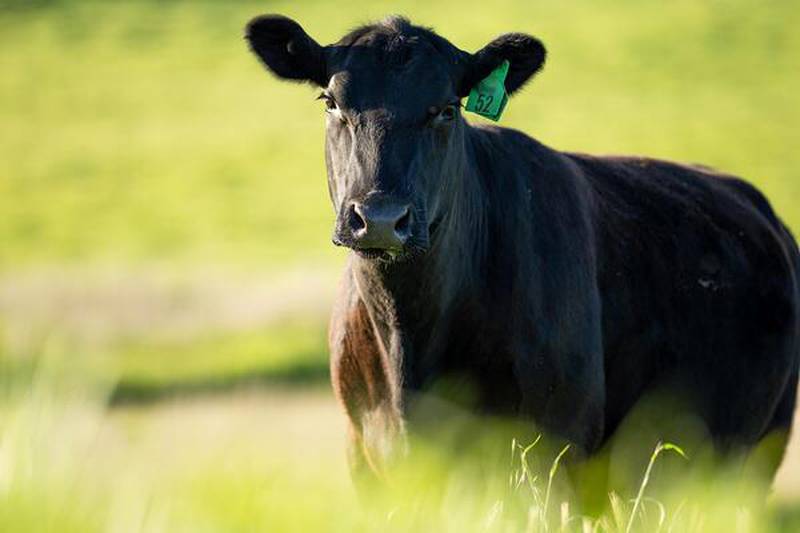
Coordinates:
[556,289]
[589,282]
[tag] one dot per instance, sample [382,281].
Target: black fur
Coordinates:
[556,288]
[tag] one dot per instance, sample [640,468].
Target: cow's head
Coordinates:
[395,135]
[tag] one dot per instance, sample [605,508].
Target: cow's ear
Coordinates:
[524,53]
[286,49]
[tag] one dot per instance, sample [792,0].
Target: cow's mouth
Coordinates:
[411,250]
[377,254]
[382,256]
[374,254]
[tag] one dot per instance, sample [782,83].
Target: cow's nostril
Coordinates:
[403,224]
[355,219]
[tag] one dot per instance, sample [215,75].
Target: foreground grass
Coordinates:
[68,463]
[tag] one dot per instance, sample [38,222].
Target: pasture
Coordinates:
[166,268]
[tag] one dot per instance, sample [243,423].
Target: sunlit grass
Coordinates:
[278,346]
[284,353]
[68,463]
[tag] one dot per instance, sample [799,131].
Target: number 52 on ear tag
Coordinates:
[488,98]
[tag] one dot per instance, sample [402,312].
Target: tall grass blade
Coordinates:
[551,475]
[660,447]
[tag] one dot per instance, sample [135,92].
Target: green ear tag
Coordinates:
[488,98]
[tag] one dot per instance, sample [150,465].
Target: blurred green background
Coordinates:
[165,226]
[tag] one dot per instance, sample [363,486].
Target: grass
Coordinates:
[142,136]
[146,370]
[283,354]
[68,464]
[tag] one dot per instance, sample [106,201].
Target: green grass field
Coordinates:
[166,267]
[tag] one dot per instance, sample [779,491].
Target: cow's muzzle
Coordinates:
[375,226]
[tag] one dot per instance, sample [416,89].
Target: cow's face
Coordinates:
[395,139]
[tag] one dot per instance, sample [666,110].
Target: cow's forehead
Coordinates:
[367,81]
[411,88]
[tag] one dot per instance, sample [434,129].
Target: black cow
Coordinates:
[559,288]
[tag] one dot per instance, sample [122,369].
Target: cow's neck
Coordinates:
[411,302]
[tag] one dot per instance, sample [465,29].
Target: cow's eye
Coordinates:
[444,114]
[330,103]
[448,113]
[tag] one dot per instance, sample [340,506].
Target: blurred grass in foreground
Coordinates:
[68,464]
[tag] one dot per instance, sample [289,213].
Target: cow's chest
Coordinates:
[466,360]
